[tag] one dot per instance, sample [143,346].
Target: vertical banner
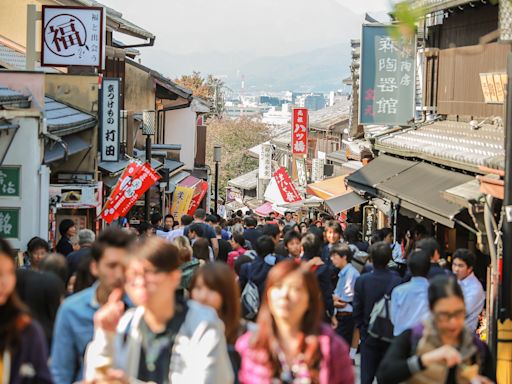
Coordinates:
[369,221]
[285,186]
[181,200]
[300,163]
[265,163]
[300,131]
[200,191]
[109,119]
[317,170]
[388,76]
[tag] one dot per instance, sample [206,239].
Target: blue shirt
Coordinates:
[73,330]
[345,287]
[474,297]
[409,304]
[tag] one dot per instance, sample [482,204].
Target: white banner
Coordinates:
[317,170]
[109,120]
[72,36]
[265,163]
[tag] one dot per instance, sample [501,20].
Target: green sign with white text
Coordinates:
[10,181]
[9,223]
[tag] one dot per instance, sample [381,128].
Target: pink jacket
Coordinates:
[335,367]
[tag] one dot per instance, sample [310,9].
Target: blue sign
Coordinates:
[387,77]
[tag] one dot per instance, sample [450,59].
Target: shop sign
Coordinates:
[388,76]
[9,223]
[369,221]
[10,181]
[265,163]
[494,86]
[317,170]
[72,36]
[74,196]
[285,185]
[200,191]
[109,119]
[301,171]
[181,200]
[300,131]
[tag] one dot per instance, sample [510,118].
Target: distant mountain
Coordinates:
[316,70]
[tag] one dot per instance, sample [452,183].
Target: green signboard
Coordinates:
[10,181]
[9,223]
[388,77]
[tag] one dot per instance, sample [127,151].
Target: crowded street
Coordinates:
[271,192]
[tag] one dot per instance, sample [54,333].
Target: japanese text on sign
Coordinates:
[72,36]
[285,186]
[9,181]
[387,77]
[300,131]
[110,120]
[265,163]
[9,222]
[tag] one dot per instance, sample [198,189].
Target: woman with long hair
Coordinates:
[441,349]
[23,350]
[215,285]
[291,345]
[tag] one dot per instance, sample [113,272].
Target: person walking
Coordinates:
[237,244]
[333,235]
[251,233]
[290,344]
[164,339]
[208,231]
[85,239]
[185,221]
[369,289]
[67,230]
[215,285]
[292,244]
[474,296]
[74,326]
[37,250]
[409,303]
[23,349]
[343,294]
[441,349]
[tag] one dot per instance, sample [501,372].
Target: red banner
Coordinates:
[286,187]
[300,131]
[201,189]
[139,178]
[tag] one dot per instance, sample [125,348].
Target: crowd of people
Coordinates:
[244,300]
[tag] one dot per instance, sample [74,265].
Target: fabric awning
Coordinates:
[344,202]
[328,188]
[419,190]
[377,171]
[55,151]
[264,210]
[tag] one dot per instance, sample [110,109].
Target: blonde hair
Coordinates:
[184,248]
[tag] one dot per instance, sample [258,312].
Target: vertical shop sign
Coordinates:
[300,131]
[10,181]
[110,94]
[388,76]
[285,185]
[265,163]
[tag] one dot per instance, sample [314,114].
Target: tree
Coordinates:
[210,88]
[235,137]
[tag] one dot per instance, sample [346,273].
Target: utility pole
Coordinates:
[148,129]
[217,151]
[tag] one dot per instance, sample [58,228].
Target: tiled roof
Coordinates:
[11,98]
[448,142]
[15,60]
[247,181]
[64,120]
[326,119]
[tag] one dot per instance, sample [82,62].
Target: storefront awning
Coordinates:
[118,166]
[344,202]
[419,189]
[264,210]
[377,171]
[174,180]
[328,188]
[54,151]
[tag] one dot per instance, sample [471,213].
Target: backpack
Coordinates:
[359,258]
[250,298]
[380,326]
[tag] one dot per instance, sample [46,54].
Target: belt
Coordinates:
[343,314]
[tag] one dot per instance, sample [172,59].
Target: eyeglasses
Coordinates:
[146,274]
[447,316]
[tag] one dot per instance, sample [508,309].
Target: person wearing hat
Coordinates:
[67,229]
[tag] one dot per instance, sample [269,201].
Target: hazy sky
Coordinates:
[262,27]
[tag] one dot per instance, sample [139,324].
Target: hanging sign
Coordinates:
[72,36]
[300,131]
[285,186]
[200,191]
[109,119]
[181,200]
[317,170]
[388,77]
[265,164]
[301,171]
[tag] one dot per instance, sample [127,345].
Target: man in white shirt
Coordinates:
[474,295]
[184,221]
